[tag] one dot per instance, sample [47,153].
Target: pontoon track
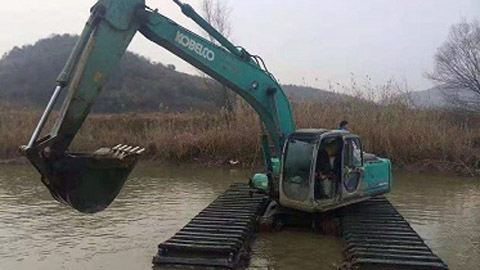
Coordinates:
[379,238]
[220,235]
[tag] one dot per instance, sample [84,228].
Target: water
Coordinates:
[38,233]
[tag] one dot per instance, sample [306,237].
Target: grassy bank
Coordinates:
[425,139]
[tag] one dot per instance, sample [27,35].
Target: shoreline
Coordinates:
[432,168]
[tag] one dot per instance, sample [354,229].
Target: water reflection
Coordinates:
[37,232]
[445,211]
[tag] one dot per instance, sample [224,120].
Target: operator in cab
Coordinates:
[343,125]
[325,173]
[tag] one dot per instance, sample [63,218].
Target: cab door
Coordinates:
[297,170]
[353,172]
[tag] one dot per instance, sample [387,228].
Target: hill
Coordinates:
[439,97]
[27,78]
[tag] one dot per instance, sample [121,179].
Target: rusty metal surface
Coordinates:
[378,237]
[220,235]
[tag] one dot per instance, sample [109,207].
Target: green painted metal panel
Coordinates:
[98,53]
[276,165]
[378,177]
[247,79]
[260,181]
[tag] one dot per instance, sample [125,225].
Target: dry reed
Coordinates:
[409,137]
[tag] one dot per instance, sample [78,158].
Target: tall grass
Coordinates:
[431,139]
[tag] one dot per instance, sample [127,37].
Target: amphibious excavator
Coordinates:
[311,170]
[314,172]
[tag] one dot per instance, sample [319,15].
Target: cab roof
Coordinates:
[316,133]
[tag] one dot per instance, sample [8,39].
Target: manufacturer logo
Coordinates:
[194,46]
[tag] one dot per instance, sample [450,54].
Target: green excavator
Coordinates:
[310,170]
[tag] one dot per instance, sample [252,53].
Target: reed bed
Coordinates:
[413,138]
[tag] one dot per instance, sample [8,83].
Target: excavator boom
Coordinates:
[236,69]
[90,182]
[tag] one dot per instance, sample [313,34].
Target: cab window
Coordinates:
[353,153]
[296,173]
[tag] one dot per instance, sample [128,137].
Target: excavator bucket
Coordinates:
[89,183]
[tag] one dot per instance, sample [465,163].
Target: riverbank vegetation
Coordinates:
[435,140]
[179,117]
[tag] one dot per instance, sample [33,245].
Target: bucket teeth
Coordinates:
[134,150]
[120,151]
[123,150]
[117,146]
[122,147]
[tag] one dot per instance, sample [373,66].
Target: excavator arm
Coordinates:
[229,65]
[90,182]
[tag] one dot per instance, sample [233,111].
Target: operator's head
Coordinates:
[332,148]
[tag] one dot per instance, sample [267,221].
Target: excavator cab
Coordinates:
[324,169]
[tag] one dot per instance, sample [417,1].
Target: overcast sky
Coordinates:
[311,42]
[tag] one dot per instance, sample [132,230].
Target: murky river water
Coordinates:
[38,233]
